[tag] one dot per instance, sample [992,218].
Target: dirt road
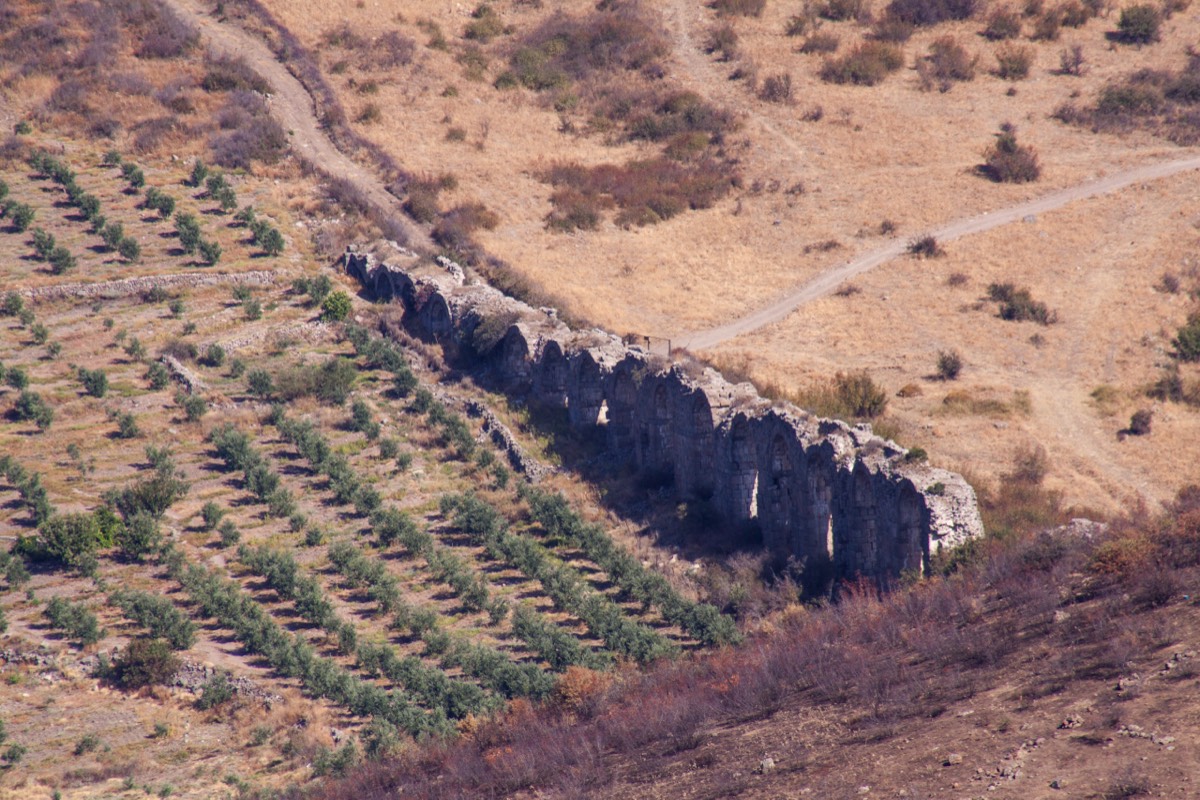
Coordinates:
[828,281]
[292,107]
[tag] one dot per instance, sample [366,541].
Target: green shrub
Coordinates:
[215,691]
[214,356]
[194,406]
[259,383]
[230,535]
[94,381]
[129,249]
[210,251]
[211,513]
[20,215]
[30,407]
[336,307]
[140,537]
[144,662]
[75,619]
[158,376]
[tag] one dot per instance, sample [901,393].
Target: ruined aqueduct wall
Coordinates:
[831,494]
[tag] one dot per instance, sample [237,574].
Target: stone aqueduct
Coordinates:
[833,495]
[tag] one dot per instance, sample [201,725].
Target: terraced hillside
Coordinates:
[202,463]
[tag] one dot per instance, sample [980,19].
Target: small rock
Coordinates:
[952,760]
[766,765]
[1057,783]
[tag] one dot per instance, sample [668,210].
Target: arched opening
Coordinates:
[912,542]
[654,444]
[550,385]
[621,401]
[587,392]
[740,479]
[775,496]
[514,360]
[865,522]
[698,449]
[435,317]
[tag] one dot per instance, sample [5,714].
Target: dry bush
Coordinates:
[866,65]
[1074,14]
[1006,161]
[893,30]
[931,12]
[843,10]
[776,89]
[1003,23]
[257,136]
[1159,101]
[1018,305]
[167,35]
[926,246]
[739,8]
[722,40]
[224,74]
[821,42]
[676,113]
[391,50]
[1048,26]
[645,191]
[1013,62]
[947,62]
[615,38]
[1072,62]
[453,231]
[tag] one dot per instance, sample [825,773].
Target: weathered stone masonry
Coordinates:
[833,495]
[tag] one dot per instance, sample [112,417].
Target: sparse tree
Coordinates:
[336,307]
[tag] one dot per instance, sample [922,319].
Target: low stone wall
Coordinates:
[835,496]
[126,287]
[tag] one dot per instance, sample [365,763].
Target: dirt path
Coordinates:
[292,107]
[827,281]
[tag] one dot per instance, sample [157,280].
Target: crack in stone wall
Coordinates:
[838,498]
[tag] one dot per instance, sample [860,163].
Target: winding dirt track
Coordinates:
[292,107]
[826,282]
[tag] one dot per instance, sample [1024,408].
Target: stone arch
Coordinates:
[695,447]
[776,486]
[551,373]
[912,543]
[858,531]
[655,419]
[586,392]
[820,478]
[738,471]
[435,317]
[514,363]
[622,401]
